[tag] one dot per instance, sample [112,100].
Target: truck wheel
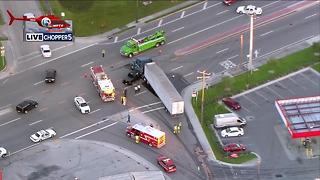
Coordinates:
[158,44]
[26,112]
[129,135]
[130,55]
[35,106]
[162,42]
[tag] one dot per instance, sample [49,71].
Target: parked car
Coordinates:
[234,147]
[26,105]
[3,152]
[45,50]
[231,103]
[43,135]
[250,9]
[50,76]
[232,132]
[166,163]
[82,105]
[229,2]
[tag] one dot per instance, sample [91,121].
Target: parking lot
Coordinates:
[265,132]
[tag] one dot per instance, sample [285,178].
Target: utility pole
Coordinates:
[241,50]
[250,65]
[203,77]
[137,9]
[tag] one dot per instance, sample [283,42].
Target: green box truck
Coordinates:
[134,46]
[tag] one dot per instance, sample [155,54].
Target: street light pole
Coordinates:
[203,77]
[250,65]
[137,8]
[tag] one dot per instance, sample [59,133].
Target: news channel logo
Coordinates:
[32,32]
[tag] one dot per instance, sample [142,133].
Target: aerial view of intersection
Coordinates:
[159,90]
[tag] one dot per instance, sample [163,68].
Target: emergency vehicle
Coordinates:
[135,46]
[147,134]
[103,84]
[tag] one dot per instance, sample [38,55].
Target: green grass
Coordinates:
[316,67]
[1,20]
[96,16]
[2,61]
[230,86]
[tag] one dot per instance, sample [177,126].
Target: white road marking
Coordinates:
[312,81]
[202,30]
[94,111]
[213,5]
[140,93]
[3,82]
[182,14]
[6,106]
[188,74]
[159,102]
[29,97]
[222,12]
[38,83]
[233,57]
[66,135]
[144,112]
[222,50]
[175,30]
[116,39]
[176,68]
[160,22]
[250,100]
[205,5]
[275,92]
[310,16]
[57,58]
[95,130]
[266,33]
[34,123]
[43,109]
[5,111]
[10,122]
[83,65]
[24,149]
[139,31]
[257,92]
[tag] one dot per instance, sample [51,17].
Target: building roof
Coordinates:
[149,130]
[301,116]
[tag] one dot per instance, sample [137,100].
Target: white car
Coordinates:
[3,152]
[232,132]
[43,135]
[82,105]
[45,50]
[250,9]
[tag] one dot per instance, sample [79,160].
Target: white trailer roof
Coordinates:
[149,130]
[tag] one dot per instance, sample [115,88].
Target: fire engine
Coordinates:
[147,134]
[103,84]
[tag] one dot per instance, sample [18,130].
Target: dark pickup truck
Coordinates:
[137,70]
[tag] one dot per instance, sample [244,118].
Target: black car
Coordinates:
[133,76]
[50,75]
[26,105]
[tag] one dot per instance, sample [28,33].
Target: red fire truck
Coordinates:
[147,134]
[103,84]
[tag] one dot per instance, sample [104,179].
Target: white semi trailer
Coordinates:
[162,86]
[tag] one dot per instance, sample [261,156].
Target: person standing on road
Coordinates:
[103,52]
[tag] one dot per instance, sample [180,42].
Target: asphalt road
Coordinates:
[73,61]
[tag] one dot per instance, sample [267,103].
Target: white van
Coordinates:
[227,120]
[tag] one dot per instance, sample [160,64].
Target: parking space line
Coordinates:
[9,122]
[316,84]
[294,82]
[34,122]
[278,84]
[242,107]
[222,12]
[141,93]
[275,92]
[250,100]
[261,95]
[96,130]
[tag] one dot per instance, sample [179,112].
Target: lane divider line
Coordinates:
[10,122]
[175,30]
[96,130]
[84,65]
[38,83]
[34,122]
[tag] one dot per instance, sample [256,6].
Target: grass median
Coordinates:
[274,69]
[2,60]
[96,16]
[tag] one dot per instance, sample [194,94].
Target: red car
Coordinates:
[234,147]
[166,163]
[231,103]
[229,2]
